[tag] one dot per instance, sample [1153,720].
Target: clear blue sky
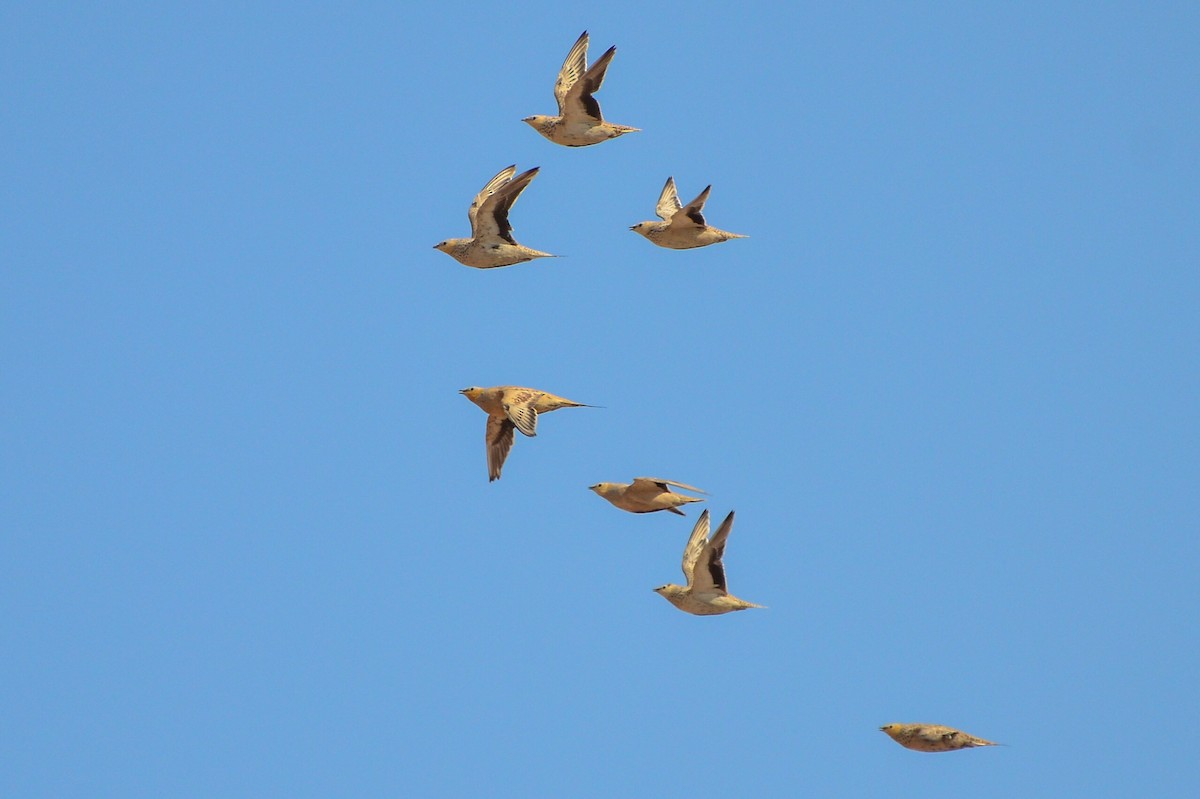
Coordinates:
[950,385]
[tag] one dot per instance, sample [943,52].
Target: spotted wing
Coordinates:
[520,404]
[579,103]
[690,213]
[668,201]
[709,574]
[695,545]
[499,436]
[491,218]
[572,70]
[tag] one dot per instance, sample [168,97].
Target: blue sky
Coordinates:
[949,385]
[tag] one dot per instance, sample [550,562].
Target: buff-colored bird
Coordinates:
[683,226]
[492,243]
[512,408]
[933,737]
[704,594]
[647,495]
[579,121]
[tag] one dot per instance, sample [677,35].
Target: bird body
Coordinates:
[579,121]
[647,495]
[933,737]
[683,226]
[512,408]
[492,243]
[705,593]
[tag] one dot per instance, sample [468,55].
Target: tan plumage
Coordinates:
[579,121]
[705,593]
[647,495]
[683,226]
[512,408]
[932,737]
[492,243]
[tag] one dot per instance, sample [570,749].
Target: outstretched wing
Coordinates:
[709,574]
[499,436]
[668,201]
[695,545]
[658,485]
[578,103]
[690,213]
[491,218]
[572,69]
[501,178]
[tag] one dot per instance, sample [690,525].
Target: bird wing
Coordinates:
[695,544]
[501,178]
[499,436]
[491,218]
[708,576]
[658,485]
[690,213]
[520,405]
[572,69]
[578,102]
[668,201]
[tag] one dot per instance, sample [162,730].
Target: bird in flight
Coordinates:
[933,737]
[647,495]
[492,243]
[512,408]
[579,122]
[705,593]
[683,226]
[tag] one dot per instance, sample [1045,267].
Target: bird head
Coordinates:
[643,228]
[602,489]
[538,122]
[472,392]
[670,590]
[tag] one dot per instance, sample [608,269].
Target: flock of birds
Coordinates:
[516,408]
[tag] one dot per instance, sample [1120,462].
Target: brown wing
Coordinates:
[690,213]
[491,219]
[658,485]
[502,177]
[572,69]
[579,101]
[709,574]
[499,436]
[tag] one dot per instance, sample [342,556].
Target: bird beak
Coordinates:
[633,227]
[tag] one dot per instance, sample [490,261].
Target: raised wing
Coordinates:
[499,436]
[578,101]
[491,218]
[695,544]
[668,201]
[656,485]
[572,69]
[501,178]
[708,576]
[690,213]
